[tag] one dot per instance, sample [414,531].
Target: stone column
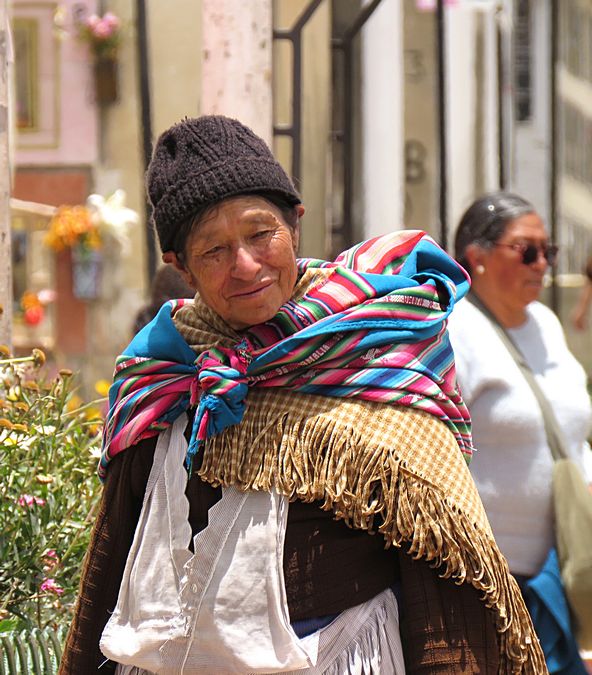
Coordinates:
[236,62]
[5,240]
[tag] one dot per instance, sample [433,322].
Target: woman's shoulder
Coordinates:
[463,311]
[465,321]
[543,318]
[541,312]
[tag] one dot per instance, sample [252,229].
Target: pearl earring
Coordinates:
[479,269]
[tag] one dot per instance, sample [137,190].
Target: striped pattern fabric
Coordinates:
[370,325]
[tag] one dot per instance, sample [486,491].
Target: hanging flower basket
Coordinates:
[106,80]
[103,36]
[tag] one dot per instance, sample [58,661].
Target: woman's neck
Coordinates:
[505,312]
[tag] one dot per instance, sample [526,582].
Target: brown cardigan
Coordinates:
[328,567]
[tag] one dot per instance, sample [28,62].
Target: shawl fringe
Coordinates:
[375,487]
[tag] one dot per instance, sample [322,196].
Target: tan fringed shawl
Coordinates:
[378,467]
[382,468]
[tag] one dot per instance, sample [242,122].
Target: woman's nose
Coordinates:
[245,264]
[541,259]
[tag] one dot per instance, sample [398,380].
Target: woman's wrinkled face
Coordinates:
[241,258]
[505,274]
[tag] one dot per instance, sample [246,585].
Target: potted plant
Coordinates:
[103,36]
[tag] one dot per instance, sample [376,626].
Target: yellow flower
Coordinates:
[65,373]
[30,299]
[21,406]
[4,352]
[14,393]
[30,385]
[5,424]
[38,357]
[92,413]
[95,430]
[102,387]
[20,428]
[44,479]
[73,403]
[72,225]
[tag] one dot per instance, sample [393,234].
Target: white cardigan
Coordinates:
[512,464]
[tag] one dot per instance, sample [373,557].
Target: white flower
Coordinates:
[44,429]
[113,217]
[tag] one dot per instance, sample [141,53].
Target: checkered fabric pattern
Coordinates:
[389,469]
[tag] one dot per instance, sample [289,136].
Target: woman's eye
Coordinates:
[213,252]
[262,234]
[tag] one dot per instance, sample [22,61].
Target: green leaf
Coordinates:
[7,625]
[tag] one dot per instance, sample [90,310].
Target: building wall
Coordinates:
[55,148]
[67,118]
[382,120]
[420,119]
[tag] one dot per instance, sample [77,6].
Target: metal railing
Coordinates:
[34,652]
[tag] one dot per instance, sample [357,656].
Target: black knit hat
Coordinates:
[203,160]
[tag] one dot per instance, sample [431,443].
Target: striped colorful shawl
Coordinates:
[371,325]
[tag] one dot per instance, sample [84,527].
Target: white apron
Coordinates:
[224,609]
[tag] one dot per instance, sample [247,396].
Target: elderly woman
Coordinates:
[261,434]
[502,242]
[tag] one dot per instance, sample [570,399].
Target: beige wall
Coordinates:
[420,115]
[175,60]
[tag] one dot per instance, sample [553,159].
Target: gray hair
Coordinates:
[485,221]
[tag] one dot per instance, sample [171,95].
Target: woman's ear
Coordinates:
[475,256]
[171,258]
[296,230]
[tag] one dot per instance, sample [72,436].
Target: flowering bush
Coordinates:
[49,444]
[73,226]
[102,34]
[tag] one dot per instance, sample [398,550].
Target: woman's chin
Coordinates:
[533,293]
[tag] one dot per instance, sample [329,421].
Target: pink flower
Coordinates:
[51,586]
[102,30]
[46,295]
[50,560]
[92,21]
[30,500]
[111,20]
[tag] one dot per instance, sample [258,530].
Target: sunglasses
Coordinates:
[530,252]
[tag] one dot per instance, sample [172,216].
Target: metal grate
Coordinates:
[35,652]
[344,75]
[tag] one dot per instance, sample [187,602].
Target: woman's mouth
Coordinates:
[251,292]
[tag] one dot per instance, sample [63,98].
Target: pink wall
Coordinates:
[65,77]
